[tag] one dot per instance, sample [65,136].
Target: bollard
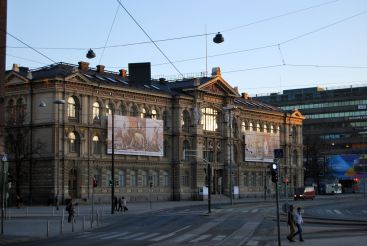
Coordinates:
[27,212]
[102,218]
[97,218]
[62,227]
[53,211]
[83,226]
[91,221]
[48,228]
[63,215]
[72,224]
[78,210]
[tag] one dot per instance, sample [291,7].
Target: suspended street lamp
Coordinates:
[218,38]
[90,54]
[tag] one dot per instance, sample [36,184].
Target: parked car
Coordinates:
[305,193]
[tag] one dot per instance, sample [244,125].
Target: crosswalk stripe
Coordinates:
[202,237]
[132,235]
[101,235]
[337,211]
[364,211]
[146,236]
[328,211]
[86,234]
[219,238]
[162,237]
[184,237]
[229,209]
[255,210]
[244,211]
[116,235]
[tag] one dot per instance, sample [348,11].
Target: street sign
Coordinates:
[278,153]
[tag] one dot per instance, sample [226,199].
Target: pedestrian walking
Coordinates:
[291,224]
[124,204]
[120,204]
[115,202]
[299,221]
[71,210]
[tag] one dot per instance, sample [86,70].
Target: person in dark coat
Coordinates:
[115,202]
[120,204]
[71,210]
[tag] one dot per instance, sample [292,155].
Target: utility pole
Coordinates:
[3,18]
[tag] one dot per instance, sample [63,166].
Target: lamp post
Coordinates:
[58,102]
[4,160]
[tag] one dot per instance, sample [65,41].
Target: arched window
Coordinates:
[96,111]
[186,150]
[251,127]
[258,127]
[134,111]
[144,179]
[109,109]
[154,114]
[20,111]
[71,107]
[143,113]
[11,111]
[265,128]
[96,145]
[165,179]
[165,119]
[243,127]
[109,178]
[271,129]
[155,179]
[132,179]
[209,119]
[186,120]
[74,142]
[122,178]
[123,110]
[97,177]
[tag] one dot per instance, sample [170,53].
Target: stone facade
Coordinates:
[56,135]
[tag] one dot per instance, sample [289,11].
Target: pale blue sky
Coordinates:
[339,45]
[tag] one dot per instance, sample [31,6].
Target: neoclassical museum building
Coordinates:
[166,134]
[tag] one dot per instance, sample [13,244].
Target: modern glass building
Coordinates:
[334,131]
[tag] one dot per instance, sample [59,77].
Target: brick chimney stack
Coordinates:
[84,66]
[100,68]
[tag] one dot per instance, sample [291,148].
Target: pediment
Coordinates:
[219,86]
[297,114]
[77,78]
[15,79]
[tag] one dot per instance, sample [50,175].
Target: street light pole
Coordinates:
[58,102]
[113,163]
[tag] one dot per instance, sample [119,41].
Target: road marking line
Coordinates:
[255,210]
[184,237]
[229,209]
[169,234]
[337,211]
[219,238]
[116,235]
[328,211]
[202,237]
[101,235]
[147,236]
[244,211]
[131,235]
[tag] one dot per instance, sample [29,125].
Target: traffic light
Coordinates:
[274,172]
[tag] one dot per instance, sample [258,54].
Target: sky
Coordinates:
[269,45]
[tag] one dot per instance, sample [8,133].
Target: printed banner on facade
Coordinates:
[135,136]
[260,146]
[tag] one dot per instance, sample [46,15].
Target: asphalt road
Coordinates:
[239,224]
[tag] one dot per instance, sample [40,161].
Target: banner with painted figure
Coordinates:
[135,136]
[260,146]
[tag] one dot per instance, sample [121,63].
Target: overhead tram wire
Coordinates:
[48,58]
[173,65]
[109,33]
[189,36]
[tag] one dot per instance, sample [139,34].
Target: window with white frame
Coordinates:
[144,179]
[96,111]
[122,178]
[165,179]
[132,179]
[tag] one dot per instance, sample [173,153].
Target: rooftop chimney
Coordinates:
[100,68]
[15,67]
[162,80]
[123,73]
[216,71]
[245,95]
[83,65]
